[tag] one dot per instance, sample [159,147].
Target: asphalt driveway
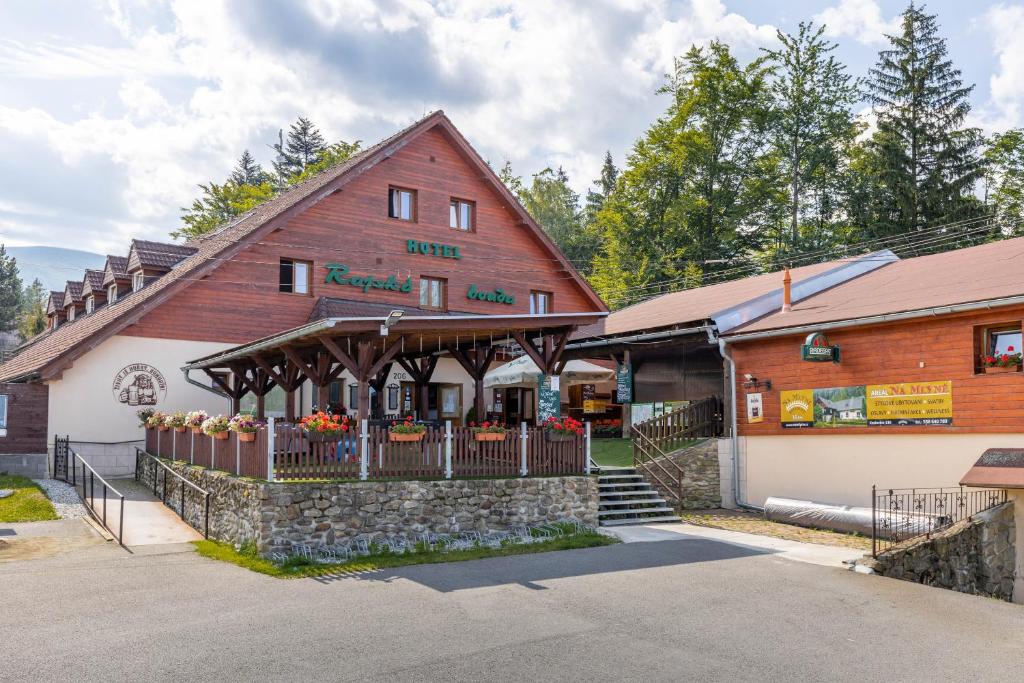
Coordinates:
[688,609]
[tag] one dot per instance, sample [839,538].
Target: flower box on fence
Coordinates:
[565,429]
[197,430]
[246,436]
[395,436]
[164,428]
[558,437]
[489,436]
[220,436]
[324,437]
[321,427]
[180,430]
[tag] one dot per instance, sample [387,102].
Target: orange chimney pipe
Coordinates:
[787,292]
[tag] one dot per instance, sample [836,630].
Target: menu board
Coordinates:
[624,383]
[549,401]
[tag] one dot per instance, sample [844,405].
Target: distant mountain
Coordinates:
[54,266]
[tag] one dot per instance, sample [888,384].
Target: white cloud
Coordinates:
[1004,25]
[860,19]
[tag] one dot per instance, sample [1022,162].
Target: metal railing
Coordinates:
[898,515]
[160,490]
[677,428]
[88,493]
[651,461]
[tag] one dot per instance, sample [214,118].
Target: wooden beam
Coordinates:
[339,354]
[219,381]
[386,356]
[297,360]
[262,363]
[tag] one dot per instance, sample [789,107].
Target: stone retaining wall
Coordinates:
[701,477]
[275,514]
[975,556]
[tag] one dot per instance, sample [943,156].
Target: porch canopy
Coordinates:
[367,346]
[523,372]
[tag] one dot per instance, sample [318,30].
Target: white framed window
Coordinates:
[402,203]
[295,276]
[3,413]
[71,313]
[540,302]
[90,304]
[461,215]
[138,280]
[112,293]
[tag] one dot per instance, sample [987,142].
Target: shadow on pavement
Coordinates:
[528,570]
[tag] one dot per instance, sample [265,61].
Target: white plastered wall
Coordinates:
[83,404]
[841,468]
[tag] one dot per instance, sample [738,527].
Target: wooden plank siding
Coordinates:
[240,301]
[948,347]
[26,419]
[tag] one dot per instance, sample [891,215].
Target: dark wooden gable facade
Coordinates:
[349,233]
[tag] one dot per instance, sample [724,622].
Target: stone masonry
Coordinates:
[973,556]
[701,480]
[278,514]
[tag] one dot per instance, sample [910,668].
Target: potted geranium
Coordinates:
[564,429]
[176,421]
[1003,362]
[488,431]
[406,430]
[195,420]
[321,426]
[157,421]
[245,425]
[144,414]
[216,426]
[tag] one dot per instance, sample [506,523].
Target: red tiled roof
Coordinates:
[56,301]
[982,273]
[93,280]
[74,288]
[159,255]
[68,339]
[117,266]
[693,306]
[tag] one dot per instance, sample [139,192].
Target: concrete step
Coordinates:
[623,485]
[633,511]
[612,477]
[641,501]
[639,520]
[617,493]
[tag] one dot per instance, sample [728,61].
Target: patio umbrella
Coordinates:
[523,372]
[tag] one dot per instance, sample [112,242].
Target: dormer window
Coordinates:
[138,280]
[112,293]
[90,304]
[71,313]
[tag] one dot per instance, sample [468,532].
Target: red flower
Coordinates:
[1009,348]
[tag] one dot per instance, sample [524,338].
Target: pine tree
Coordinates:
[32,318]
[302,148]
[605,184]
[248,171]
[813,96]
[10,291]
[929,162]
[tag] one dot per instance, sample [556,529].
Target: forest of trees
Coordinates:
[22,308]
[751,167]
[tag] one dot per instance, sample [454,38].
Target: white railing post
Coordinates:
[270,449]
[586,447]
[523,436]
[213,453]
[174,445]
[364,450]
[238,455]
[447,449]
[157,442]
[192,449]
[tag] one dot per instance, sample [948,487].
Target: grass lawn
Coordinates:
[28,504]
[295,567]
[612,452]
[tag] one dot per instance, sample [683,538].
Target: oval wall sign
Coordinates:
[139,384]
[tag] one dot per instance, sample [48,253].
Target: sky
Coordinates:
[111,112]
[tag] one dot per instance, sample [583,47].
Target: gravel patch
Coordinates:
[64,498]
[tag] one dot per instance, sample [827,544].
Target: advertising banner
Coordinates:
[876,405]
[755,408]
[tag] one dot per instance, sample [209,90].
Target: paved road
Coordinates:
[692,609]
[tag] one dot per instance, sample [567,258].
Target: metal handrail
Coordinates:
[676,479]
[181,511]
[89,494]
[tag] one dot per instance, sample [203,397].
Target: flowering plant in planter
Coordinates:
[216,426]
[1003,362]
[245,425]
[321,426]
[407,430]
[144,414]
[176,421]
[488,431]
[156,421]
[195,420]
[562,429]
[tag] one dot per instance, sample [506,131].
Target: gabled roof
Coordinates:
[156,255]
[115,270]
[56,302]
[93,281]
[59,349]
[975,274]
[73,292]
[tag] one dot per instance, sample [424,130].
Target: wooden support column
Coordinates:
[288,376]
[421,370]
[475,363]
[549,356]
[234,389]
[365,366]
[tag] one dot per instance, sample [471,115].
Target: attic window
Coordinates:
[460,215]
[138,280]
[294,276]
[401,204]
[112,293]
[71,313]
[90,304]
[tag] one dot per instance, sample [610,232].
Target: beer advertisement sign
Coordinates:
[797,408]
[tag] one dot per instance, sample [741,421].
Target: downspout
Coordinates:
[194,383]
[733,435]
